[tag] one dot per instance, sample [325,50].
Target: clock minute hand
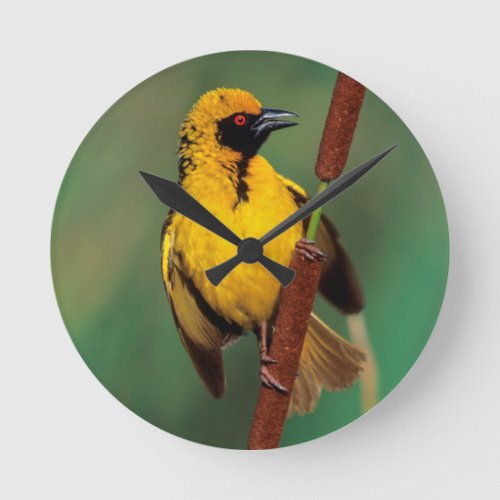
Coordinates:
[175,197]
[218,273]
[332,191]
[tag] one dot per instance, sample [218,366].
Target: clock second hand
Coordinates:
[218,273]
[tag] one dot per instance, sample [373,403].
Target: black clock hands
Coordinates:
[218,273]
[175,197]
[250,250]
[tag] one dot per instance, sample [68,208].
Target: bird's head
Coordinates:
[230,122]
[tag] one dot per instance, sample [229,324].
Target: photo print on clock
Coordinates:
[250,249]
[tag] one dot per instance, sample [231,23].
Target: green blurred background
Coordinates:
[106,245]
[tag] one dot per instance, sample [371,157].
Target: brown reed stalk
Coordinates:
[297,300]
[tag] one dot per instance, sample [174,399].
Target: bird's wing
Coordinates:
[202,331]
[339,282]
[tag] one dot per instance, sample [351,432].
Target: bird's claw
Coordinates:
[269,381]
[265,359]
[306,249]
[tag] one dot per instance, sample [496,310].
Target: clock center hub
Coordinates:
[250,250]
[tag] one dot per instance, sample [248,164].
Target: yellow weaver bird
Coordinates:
[219,166]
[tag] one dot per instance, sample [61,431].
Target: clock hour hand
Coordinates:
[175,197]
[178,199]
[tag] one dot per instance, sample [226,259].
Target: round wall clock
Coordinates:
[249,250]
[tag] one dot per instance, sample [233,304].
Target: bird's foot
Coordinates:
[306,249]
[265,359]
[269,381]
[265,375]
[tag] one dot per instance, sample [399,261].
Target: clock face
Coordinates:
[209,294]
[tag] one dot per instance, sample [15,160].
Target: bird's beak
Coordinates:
[268,121]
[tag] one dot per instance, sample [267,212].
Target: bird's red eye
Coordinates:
[240,120]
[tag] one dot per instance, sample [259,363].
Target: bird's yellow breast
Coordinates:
[249,293]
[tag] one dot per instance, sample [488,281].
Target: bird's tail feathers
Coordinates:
[327,361]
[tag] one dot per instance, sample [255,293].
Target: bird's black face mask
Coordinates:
[246,133]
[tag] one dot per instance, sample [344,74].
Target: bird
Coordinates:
[220,166]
